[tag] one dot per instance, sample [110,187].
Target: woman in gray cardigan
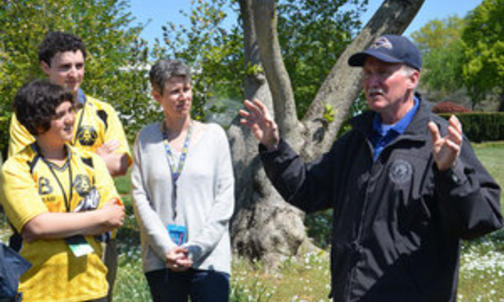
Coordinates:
[183,190]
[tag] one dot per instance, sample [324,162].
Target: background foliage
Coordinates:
[214,52]
[449,107]
[483,39]
[441,47]
[465,53]
[115,54]
[481,126]
[312,34]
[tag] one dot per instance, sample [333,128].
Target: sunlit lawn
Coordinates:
[482,261]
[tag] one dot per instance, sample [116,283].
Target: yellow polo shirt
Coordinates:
[31,186]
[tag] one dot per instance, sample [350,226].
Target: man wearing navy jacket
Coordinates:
[404,184]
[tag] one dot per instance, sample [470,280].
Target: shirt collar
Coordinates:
[398,127]
[81,97]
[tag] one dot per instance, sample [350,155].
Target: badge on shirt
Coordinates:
[400,172]
[178,233]
[79,245]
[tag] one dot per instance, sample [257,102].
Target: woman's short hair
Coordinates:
[163,70]
[35,104]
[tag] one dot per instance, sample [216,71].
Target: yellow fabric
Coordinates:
[19,137]
[90,130]
[56,274]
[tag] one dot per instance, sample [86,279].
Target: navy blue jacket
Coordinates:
[397,222]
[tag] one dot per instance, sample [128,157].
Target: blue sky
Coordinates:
[161,11]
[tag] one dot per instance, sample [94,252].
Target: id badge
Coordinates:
[79,245]
[178,233]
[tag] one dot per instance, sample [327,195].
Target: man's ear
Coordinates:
[45,67]
[414,78]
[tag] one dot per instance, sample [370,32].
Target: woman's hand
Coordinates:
[177,259]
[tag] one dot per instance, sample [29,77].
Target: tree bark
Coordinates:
[265,25]
[264,226]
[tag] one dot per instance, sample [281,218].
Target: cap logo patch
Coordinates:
[382,42]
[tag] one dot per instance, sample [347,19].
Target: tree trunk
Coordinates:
[264,226]
[265,24]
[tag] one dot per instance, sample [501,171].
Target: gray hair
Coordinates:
[164,70]
[408,70]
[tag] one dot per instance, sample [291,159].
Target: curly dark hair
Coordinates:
[35,104]
[57,41]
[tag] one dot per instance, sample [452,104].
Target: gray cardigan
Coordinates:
[205,198]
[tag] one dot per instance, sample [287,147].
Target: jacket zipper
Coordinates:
[355,244]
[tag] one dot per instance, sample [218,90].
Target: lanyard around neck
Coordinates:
[83,109]
[68,199]
[176,171]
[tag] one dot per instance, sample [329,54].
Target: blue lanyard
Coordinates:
[79,124]
[176,171]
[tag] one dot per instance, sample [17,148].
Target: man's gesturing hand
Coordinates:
[446,149]
[261,124]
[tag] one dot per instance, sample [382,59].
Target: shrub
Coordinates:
[449,107]
[481,126]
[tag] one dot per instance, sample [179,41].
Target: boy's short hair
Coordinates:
[163,70]
[57,41]
[35,104]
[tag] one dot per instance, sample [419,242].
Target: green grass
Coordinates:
[130,284]
[123,184]
[492,157]
[482,261]
[482,269]
[304,278]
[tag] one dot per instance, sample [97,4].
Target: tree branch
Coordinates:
[265,19]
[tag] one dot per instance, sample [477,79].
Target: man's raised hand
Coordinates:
[446,149]
[261,124]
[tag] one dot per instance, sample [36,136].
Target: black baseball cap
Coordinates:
[391,49]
